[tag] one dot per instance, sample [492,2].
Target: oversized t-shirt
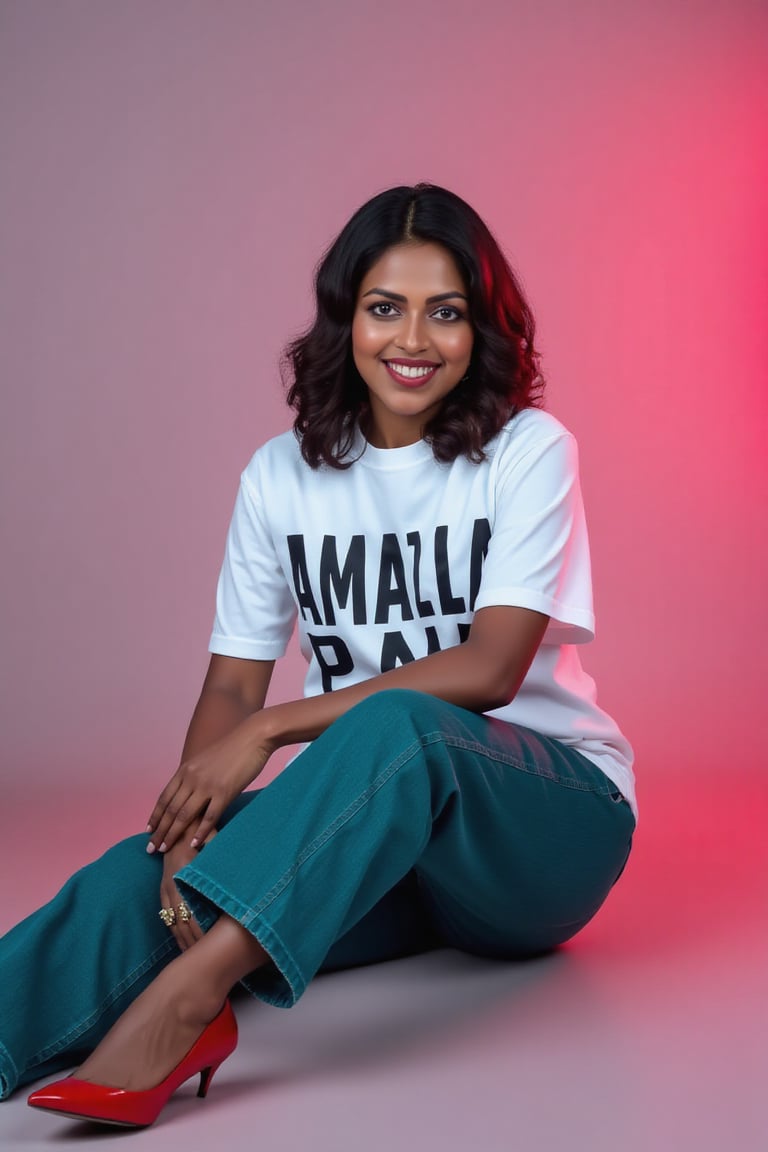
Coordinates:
[388,560]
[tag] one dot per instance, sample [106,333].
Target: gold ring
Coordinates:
[168,917]
[185,912]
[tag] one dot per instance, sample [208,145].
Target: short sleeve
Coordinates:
[538,553]
[255,611]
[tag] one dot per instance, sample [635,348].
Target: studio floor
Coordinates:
[647,1033]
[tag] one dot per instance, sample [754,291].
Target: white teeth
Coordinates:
[408,371]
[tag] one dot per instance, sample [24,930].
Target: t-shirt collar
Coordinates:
[388,459]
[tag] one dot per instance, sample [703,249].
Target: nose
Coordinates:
[412,336]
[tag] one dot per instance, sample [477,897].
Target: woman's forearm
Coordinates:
[298,721]
[481,674]
[216,714]
[232,691]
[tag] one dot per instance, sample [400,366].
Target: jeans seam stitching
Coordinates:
[515,762]
[215,893]
[351,810]
[4,1051]
[79,1029]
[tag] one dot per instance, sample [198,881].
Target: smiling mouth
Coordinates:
[411,372]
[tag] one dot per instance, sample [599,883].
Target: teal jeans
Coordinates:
[409,824]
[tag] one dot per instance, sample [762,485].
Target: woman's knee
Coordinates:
[394,705]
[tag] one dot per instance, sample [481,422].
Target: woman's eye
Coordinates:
[385,310]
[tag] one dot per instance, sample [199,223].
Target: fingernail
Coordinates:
[163,847]
[150,847]
[194,843]
[149,827]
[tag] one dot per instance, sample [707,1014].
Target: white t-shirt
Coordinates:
[388,561]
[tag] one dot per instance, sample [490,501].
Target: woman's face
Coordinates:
[411,339]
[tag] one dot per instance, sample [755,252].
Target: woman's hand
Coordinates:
[195,797]
[170,897]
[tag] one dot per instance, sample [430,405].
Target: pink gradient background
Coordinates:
[170,171]
[170,174]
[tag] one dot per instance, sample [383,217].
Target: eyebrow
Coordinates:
[404,299]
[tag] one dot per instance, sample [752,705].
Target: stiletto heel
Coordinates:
[86,1101]
[205,1080]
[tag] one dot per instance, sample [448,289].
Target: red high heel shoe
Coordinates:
[85,1101]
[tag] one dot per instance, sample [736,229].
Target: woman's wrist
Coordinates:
[295,721]
[264,730]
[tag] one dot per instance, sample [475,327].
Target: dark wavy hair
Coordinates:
[324,386]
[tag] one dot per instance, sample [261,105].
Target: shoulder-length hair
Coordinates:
[325,388]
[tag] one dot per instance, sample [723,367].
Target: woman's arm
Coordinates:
[232,691]
[481,674]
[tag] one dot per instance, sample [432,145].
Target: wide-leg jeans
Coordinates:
[409,824]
